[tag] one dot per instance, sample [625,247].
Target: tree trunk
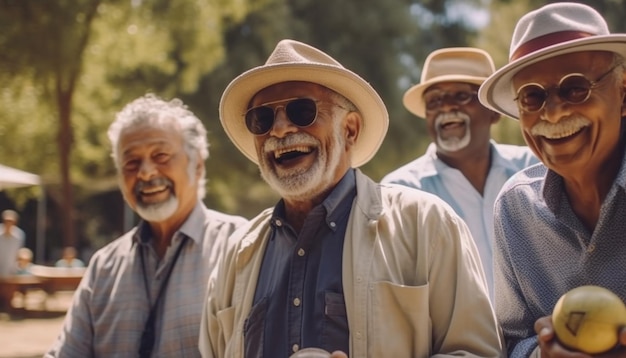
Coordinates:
[65,140]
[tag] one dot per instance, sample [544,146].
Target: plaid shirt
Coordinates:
[111,305]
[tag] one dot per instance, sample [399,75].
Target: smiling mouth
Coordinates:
[152,194]
[285,154]
[451,124]
[562,135]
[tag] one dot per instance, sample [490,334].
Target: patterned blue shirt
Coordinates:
[542,250]
[299,300]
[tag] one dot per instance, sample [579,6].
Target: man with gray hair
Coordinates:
[142,294]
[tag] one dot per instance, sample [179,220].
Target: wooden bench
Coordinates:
[11,284]
[55,279]
[47,278]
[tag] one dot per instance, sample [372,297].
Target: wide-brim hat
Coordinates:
[295,61]
[453,64]
[550,31]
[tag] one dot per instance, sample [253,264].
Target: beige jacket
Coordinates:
[413,282]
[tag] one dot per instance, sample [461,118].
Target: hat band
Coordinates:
[545,41]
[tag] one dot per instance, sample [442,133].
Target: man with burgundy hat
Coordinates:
[560,224]
[340,263]
[463,165]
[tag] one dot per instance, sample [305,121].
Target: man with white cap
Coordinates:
[463,165]
[560,225]
[340,263]
[12,238]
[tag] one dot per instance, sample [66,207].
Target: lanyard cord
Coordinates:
[148,335]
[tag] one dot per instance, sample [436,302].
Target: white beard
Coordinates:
[302,183]
[158,212]
[453,144]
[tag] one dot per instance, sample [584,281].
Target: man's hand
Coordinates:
[551,348]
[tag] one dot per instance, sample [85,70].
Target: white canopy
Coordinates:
[12,178]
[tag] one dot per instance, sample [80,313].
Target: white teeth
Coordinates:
[154,189]
[451,118]
[281,151]
[562,129]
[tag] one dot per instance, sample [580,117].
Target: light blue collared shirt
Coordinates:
[429,173]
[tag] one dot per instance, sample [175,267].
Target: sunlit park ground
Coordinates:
[33,323]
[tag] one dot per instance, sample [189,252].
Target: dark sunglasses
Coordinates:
[300,111]
[460,98]
[573,88]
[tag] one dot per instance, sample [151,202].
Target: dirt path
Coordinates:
[29,333]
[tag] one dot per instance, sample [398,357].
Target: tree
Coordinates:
[83,59]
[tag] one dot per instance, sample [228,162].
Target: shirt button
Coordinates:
[279,223]
[301,252]
[296,302]
[295,348]
[591,248]
[332,224]
[358,335]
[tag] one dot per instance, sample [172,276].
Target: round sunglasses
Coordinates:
[573,88]
[300,111]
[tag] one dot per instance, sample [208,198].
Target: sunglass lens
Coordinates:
[301,112]
[259,120]
[532,97]
[575,89]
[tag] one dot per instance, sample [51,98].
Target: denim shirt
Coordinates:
[300,286]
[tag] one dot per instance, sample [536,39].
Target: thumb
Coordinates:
[622,336]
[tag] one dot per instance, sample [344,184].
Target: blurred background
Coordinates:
[67,66]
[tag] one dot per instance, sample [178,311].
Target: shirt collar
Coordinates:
[553,190]
[192,227]
[345,190]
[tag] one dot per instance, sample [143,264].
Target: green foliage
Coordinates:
[192,49]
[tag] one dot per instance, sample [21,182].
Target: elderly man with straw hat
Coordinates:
[340,263]
[560,224]
[463,165]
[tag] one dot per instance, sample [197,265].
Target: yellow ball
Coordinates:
[588,319]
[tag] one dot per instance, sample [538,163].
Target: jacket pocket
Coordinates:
[400,320]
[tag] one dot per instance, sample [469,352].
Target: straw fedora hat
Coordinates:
[454,64]
[549,31]
[295,61]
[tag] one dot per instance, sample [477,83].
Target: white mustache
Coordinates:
[297,139]
[151,183]
[447,117]
[563,128]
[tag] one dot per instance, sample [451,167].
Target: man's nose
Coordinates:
[282,125]
[147,170]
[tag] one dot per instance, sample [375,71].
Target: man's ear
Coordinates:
[495,117]
[199,166]
[353,127]
[624,94]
